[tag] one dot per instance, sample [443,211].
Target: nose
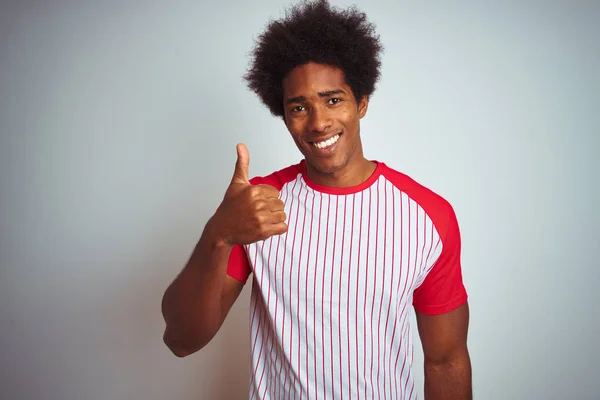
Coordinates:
[320,120]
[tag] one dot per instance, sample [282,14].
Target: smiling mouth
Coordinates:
[326,143]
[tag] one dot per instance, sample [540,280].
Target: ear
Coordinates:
[363,105]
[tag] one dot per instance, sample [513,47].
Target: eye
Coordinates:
[298,109]
[334,101]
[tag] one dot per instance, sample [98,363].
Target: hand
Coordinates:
[249,213]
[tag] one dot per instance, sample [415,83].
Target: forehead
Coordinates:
[310,79]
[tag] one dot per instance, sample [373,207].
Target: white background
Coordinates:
[118,126]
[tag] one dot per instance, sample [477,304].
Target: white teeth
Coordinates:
[326,143]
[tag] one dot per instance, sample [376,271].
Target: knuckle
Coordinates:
[254,191]
[260,204]
[263,188]
[261,219]
[262,232]
[271,191]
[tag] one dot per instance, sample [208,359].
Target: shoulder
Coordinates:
[437,208]
[278,178]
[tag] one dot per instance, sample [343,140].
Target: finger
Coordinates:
[267,219]
[240,174]
[268,191]
[275,205]
[279,217]
[280,228]
[276,229]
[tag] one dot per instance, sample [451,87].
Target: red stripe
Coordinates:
[340,297]
[412,357]
[348,298]
[374,292]
[283,267]
[357,280]
[404,317]
[411,390]
[381,301]
[315,291]
[417,236]
[298,297]
[312,207]
[366,289]
[410,268]
[323,295]
[402,344]
[387,318]
[291,352]
[256,295]
[256,307]
[398,289]
[331,297]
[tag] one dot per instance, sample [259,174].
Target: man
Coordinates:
[340,246]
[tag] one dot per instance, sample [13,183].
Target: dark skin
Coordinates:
[196,303]
[319,106]
[447,361]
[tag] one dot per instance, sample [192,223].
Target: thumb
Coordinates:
[240,175]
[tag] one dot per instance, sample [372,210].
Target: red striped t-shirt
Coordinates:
[331,297]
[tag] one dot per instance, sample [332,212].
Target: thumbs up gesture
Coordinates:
[249,213]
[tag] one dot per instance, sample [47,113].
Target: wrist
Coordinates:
[215,236]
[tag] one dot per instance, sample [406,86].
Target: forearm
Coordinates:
[449,380]
[192,304]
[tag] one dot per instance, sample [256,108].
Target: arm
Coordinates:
[195,305]
[447,361]
[197,302]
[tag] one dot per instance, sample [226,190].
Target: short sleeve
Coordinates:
[238,266]
[443,289]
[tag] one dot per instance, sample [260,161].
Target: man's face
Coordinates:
[323,117]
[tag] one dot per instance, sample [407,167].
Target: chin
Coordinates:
[327,167]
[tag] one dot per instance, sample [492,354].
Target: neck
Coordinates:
[353,174]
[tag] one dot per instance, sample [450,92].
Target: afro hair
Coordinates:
[314,31]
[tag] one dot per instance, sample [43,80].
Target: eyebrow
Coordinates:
[327,93]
